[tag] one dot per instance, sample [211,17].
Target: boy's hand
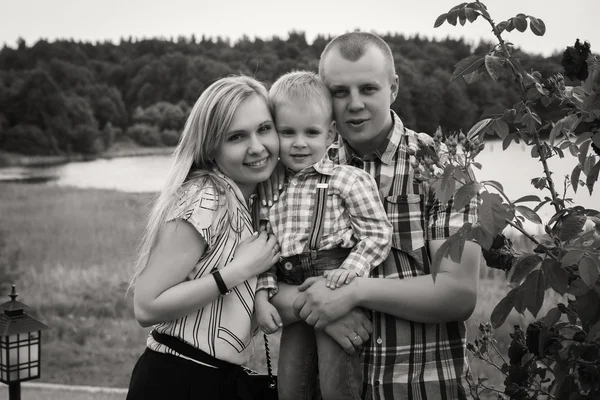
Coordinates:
[267,317]
[338,277]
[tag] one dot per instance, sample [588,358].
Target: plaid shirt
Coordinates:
[354,218]
[406,359]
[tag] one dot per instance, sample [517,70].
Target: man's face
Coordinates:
[362,92]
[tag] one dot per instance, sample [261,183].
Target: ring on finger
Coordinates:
[355,337]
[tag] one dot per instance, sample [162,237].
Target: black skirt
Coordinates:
[166,377]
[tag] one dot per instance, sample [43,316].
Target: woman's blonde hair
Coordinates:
[204,132]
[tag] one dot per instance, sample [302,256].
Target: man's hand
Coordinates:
[268,191]
[319,306]
[351,331]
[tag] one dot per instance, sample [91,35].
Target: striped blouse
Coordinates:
[223,328]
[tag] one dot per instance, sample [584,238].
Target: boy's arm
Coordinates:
[370,225]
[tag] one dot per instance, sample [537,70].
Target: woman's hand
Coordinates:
[268,191]
[257,253]
[267,317]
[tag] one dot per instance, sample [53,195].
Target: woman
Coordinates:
[196,272]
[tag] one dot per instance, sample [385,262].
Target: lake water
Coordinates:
[514,168]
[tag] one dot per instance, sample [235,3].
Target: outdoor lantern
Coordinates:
[20,345]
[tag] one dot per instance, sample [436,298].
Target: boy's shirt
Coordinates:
[354,217]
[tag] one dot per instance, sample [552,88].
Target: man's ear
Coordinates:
[395,85]
[331,134]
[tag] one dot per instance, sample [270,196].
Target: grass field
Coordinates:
[75,250]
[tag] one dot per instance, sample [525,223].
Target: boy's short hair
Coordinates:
[300,85]
[353,45]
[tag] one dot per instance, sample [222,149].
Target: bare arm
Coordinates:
[418,299]
[421,299]
[162,292]
[284,301]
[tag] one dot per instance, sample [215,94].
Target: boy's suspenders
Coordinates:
[318,217]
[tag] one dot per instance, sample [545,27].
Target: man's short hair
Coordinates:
[353,46]
[300,85]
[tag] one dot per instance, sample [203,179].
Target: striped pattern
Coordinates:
[354,218]
[222,328]
[404,359]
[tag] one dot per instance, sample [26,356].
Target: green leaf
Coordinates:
[534,289]
[471,14]
[571,258]
[592,177]
[594,332]
[507,141]
[574,150]
[465,193]
[527,198]
[537,26]
[494,66]
[503,309]
[462,16]
[493,213]
[588,271]
[571,226]
[510,25]
[478,127]
[556,276]
[578,288]
[529,214]
[596,139]
[500,127]
[575,178]
[440,20]
[583,137]
[583,151]
[495,184]
[502,26]
[523,267]
[552,316]
[481,236]
[451,17]
[466,66]
[520,23]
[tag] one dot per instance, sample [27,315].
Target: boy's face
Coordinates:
[362,92]
[305,131]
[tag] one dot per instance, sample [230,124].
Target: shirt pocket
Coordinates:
[405,213]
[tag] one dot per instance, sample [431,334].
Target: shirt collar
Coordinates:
[324,166]
[385,152]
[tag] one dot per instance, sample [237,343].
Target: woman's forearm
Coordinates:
[186,297]
[284,302]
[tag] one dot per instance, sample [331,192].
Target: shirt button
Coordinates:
[379,340]
[288,266]
[294,182]
[376,384]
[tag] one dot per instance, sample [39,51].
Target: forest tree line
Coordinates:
[68,97]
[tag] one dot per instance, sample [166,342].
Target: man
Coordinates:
[418,345]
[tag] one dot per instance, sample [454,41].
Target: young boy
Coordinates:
[329,221]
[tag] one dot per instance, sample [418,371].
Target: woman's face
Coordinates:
[249,152]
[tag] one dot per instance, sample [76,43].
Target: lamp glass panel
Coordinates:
[13,350]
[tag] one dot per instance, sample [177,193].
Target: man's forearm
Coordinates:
[417,299]
[284,301]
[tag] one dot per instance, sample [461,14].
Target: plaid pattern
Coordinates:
[354,218]
[406,359]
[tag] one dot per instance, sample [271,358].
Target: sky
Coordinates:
[114,19]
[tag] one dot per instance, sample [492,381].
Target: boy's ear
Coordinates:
[331,134]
